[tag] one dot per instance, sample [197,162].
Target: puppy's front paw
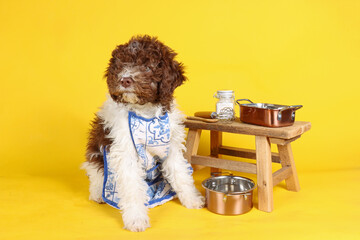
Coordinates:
[193,201]
[136,223]
[96,198]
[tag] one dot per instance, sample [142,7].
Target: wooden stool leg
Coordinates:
[264,174]
[215,143]
[192,145]
[287,160]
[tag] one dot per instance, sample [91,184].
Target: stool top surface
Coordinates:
[236,126]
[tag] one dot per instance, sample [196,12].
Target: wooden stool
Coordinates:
[264,136]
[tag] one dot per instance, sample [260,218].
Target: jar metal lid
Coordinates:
[225,93]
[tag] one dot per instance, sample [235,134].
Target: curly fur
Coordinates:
[141,77]
[153,68]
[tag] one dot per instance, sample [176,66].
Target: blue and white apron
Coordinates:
[151,138]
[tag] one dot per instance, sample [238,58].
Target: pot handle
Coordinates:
[244,99]
[246,195]
[294,107]
[216,174]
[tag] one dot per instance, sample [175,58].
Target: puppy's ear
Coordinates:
[173,77]
[114,62]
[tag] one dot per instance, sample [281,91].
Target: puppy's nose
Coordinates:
[126,82]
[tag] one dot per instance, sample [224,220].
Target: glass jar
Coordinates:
[225,105]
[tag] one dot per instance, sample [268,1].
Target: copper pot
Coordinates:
[266,114]
[229,195]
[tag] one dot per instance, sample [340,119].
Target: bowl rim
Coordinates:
[230,176]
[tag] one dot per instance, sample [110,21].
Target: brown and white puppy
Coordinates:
[141,77]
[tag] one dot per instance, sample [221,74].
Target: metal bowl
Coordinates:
[229,195]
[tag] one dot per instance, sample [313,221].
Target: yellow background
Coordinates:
[52,59]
